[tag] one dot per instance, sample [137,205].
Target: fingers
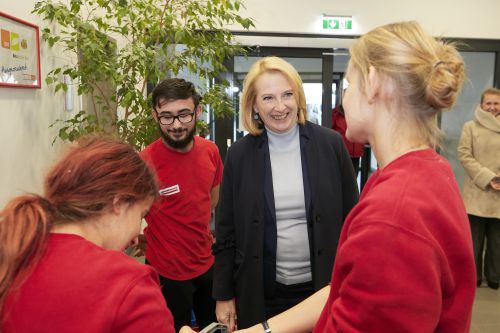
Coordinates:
[495,185]
[137,252]
[134,242]
[186,329]
[226,314]
[233,325]
[230,322]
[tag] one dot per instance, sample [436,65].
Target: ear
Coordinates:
[254,108]
[198,111]
[373,85]
[155,115]
[380,86]
[117,206]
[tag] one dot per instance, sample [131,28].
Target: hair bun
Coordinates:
[445,79]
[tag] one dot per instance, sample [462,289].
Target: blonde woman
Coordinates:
[478,151]
[286,189]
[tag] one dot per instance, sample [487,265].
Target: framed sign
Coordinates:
[19,53]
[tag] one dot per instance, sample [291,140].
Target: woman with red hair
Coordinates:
[62,266]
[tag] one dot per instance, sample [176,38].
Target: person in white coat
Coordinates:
[479,153]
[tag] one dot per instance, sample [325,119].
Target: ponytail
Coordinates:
[24,226]
[81,186]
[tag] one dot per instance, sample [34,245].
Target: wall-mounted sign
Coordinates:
[337,23]
[19,53]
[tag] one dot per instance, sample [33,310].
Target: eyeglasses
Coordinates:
[183,118]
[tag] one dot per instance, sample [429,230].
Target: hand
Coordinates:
[495,184]
[186,329]
[139,246]
[226,314]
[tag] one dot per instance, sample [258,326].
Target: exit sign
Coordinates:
[337,23]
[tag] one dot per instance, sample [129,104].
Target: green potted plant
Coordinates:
[121,46]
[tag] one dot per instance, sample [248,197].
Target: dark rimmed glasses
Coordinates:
[184,118]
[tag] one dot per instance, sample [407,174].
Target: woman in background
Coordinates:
[62,266]
[479,152]
[404,261]
[355,150]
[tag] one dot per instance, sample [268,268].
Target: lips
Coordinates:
[279,116]
[177,133]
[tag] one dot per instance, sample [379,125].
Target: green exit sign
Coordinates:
[337,23]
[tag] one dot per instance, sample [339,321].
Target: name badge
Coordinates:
[169,190]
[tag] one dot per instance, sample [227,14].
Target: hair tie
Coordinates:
[438,63]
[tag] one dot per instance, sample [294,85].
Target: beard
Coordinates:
[178,144]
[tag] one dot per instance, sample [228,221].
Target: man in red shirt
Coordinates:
[189,171]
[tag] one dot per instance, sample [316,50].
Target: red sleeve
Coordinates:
[390,281]
[219,168]
[143,309]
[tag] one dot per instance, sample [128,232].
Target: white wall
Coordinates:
[25,114]
[448,18]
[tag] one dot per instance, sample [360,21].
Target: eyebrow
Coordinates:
[178,111]
[271,94]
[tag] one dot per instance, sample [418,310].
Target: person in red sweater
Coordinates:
[355,150]
[177,240]
[61,254]
[404,260]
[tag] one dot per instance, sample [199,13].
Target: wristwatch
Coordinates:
[266,327]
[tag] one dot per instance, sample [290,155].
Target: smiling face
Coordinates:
[275,102]
[179,134]
[491,103]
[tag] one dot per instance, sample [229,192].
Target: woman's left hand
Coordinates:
[186,329]
[495,184]
[139,246]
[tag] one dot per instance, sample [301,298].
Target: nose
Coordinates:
[176,122]
[280,105]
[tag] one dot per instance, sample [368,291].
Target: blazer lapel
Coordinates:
[308,155]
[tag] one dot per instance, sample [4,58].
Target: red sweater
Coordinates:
[80,287]
[178,232]
[404,261]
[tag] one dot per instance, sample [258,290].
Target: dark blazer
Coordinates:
[245,208]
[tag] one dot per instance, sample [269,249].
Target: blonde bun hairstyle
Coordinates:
[427,72]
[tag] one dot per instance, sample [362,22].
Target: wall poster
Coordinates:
[19,53]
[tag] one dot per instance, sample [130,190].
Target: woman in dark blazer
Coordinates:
[286,189]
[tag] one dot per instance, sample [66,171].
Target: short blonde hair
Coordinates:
[428,73]
[490,91]
[266,65]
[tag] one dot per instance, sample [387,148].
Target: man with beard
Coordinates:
[189,170]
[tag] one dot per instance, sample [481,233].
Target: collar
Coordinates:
[488,120]
[304,132]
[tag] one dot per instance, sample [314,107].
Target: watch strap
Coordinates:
[266,327]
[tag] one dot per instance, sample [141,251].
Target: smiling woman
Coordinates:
[478,152]
[286,189]
[275,103]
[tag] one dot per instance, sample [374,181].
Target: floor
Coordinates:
[486,311]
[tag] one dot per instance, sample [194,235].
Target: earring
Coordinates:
[256,116]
